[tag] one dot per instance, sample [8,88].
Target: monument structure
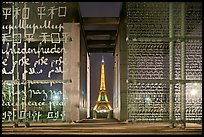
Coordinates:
[102,107]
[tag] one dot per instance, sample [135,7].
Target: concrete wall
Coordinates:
[123,72]
[120,75]
[83,78]
[116,84]
[74,93]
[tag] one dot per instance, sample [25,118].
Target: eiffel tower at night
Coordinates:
[102,107]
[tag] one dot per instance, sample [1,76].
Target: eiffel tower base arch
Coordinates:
[108,115]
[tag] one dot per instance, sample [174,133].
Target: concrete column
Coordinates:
[88,87]
[171,67]
[94,114]
[120,70]
[183,70]
[123,73]
[71,68]
[116,87]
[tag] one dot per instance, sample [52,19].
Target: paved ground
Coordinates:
[104,127]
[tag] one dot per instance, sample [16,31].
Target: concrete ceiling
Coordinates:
[100,21]
[100,9]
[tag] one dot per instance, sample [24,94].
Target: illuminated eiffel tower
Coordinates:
[102,106]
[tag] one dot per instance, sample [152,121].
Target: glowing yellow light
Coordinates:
[193,92]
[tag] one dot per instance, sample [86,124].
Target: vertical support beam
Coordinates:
[88,87]
[16,71]
[116,86]
[24,74]
[13,63]
[67,75]
[25,89]
[171,66]
[15,74]
[123,57]
[71,67]
[183,70]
